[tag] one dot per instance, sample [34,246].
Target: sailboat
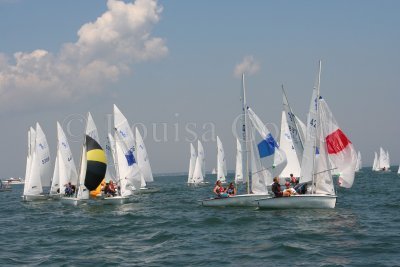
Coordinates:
[324,142]
[124,172]
[4,187]
[192,164]
[38,169]
[383,161]
[125,142]
[144,164]
[398,171]
[199,168]
[261,155]
[221,162]
[375,165]
[359,162]
[290,139]
[213,171]
[93,165]
[239,163]
[64,168]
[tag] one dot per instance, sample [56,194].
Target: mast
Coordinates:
[244,132]
[317,125]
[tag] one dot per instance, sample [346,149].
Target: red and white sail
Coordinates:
[340,149]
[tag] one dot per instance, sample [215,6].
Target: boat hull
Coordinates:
[55,196]
[247,200]
[118,200]
[5,189]
[34,197]
[145,190]
[73,201]
[314,201]
[198,184]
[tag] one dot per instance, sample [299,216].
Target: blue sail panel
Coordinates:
[267,147]
[130,158]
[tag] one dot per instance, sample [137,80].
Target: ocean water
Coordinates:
[169,228]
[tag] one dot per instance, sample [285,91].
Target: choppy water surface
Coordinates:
[169,228]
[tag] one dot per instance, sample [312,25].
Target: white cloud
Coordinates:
[106,49]
[248,66]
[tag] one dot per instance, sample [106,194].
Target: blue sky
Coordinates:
[173,63]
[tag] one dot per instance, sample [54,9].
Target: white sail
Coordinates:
[387,159]
[291,139]
[358,165]
[198,174]
[376,162]
[125,171]
[398,171]
[34,184]
[315,165]
[125,136]
[214,171]
[310,141]
[43,154]
[31,149]
[260,176]
[339,148]
[239,163]
[109,148]
[55,181]
[221,162]
[192,163]
[91,128]
[286,143]
[302,128]
[40,168]
[143,158]
[322,167]
[67,168]
[272,156]
[384,161]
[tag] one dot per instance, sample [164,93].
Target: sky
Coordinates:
[173,68]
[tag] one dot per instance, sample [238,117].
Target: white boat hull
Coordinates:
[34,197]
[72,201]
[118,200]
[314,201]
[247,200]
[145,190]
[55,196]
[5,189]
[198,184]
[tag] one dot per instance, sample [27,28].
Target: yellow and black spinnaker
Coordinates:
[96,164]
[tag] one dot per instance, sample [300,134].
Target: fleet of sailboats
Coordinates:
[125,153]
[313,152]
